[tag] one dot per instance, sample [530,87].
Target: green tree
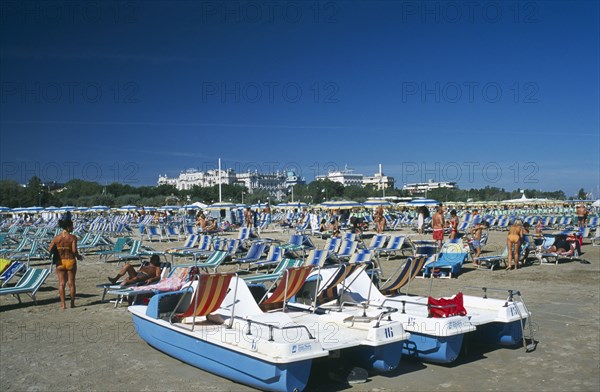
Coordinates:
[11,194]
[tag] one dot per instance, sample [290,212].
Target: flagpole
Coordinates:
[220,180]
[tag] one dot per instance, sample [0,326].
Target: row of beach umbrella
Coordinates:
[332,205]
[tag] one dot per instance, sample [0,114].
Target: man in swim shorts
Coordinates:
[437,223]
[148,273]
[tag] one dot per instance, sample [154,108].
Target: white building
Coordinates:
[422,187]
[276,184]
[191,177]
[346,177]
[379,180]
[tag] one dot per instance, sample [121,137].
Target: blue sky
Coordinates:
[493,93]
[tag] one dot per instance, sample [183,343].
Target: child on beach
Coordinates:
[477,232]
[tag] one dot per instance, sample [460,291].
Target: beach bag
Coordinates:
[447,307]
[54,255]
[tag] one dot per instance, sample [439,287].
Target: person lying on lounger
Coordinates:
[562,246]
[149,273]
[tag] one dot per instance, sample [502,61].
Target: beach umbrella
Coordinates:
[292,205]
[4,209]
[340,204]
[195,206]
[221,206]
[169,208]
[127,208]
[596,203]
[422,203]
[374,203]
[99,208]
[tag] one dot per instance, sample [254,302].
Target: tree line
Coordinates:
[86,193]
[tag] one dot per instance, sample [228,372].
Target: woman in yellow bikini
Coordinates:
[65,245]
[513,243]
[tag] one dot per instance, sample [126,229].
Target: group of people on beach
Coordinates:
[65,254]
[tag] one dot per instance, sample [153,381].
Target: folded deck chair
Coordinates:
[292,281]
[29,283]
[208,296]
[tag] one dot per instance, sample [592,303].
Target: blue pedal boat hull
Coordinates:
[433,349]
[229,364]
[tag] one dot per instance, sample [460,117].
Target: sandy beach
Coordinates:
[95,347]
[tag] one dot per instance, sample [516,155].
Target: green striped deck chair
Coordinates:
[215,259]
[277,272]
[29,283]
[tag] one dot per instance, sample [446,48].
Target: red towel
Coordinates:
[452,307]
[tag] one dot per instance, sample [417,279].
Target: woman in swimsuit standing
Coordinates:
[65,245]
[513,243]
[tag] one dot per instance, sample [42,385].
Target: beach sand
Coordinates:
[95,347]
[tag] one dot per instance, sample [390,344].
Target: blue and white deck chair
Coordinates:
[346,250]
[254,254]
[13,269]
[394,245]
